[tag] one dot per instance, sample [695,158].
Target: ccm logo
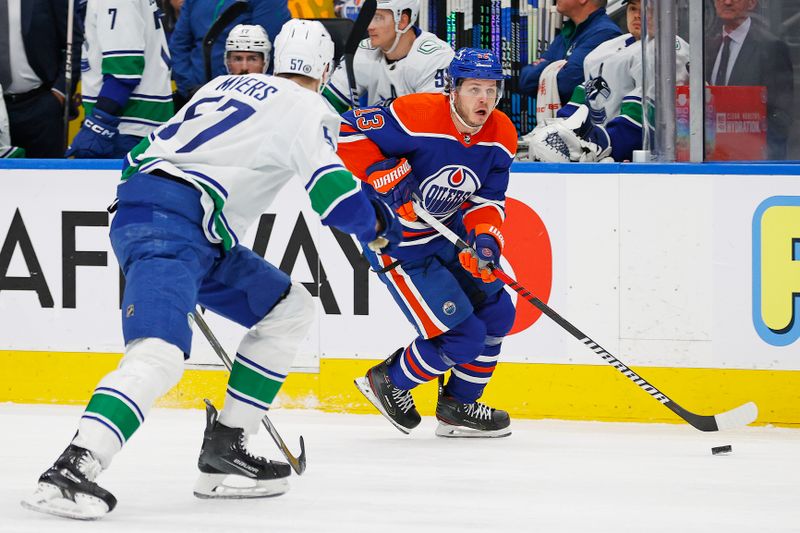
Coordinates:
[98,129]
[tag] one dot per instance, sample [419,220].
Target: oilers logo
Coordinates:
[448,188]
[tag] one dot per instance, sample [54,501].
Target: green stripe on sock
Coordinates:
[250,383]
[116,411]
[329,188]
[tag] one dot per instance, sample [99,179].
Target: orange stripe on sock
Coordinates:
[476,368]
[413,365]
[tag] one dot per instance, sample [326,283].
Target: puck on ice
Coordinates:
[722,450]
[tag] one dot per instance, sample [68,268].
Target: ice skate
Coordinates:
[465,420]
[68,489]
[397,405]
[229,470]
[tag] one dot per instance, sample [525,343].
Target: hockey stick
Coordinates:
[225,18]
[298,463]
[68,70]
[356,35]
[739,416]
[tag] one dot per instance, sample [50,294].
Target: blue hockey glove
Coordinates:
[96,137]
[486,245]
[394,181]
[390,232]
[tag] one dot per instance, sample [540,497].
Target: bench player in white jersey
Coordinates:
[125,81]
[397,59]
[191,190]
[603,119]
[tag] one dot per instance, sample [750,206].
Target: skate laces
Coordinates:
[479,411]
[403,398]
[245,450]
[88,465]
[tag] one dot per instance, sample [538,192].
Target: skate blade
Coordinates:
[48,499]
[233,487]
[366,390]
[462,432]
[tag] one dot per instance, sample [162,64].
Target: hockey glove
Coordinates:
[389,232]
[96,137]
[393,180]
[486,245]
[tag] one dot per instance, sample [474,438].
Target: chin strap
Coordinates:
[398,33]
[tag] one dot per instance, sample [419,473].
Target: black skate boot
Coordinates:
[395,404]
[458,419]
[229,470]
[68,489]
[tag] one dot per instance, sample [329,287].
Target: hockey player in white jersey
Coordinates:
[125,82]
[247,50]
[191,190]
[397,59]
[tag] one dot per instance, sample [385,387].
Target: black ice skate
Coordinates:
[458,419]
[395,404]
[68,489]
[229,470]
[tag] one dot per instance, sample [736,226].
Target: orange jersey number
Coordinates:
[363,123]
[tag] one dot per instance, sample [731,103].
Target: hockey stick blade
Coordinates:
[358,33]
[737,417]
[225,18]
[298,463]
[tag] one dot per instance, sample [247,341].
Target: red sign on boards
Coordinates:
[735,123]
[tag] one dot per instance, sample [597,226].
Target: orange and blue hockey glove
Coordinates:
[486,245]
[393,180]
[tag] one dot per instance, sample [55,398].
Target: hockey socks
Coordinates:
[419,363]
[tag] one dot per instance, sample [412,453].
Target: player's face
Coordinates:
[475,99]
[245,62]
[634,16]
[734,12]
[381,29]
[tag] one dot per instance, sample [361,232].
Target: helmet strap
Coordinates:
[398,33]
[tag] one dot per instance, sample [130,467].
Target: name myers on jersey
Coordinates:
[622,367]
[248,86]
[448,188]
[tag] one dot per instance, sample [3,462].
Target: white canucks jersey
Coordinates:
[421,71]
[607,75]
[239,140]
[125,39]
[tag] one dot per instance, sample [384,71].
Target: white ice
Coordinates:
[365,476]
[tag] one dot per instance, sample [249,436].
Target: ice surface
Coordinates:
[365,476]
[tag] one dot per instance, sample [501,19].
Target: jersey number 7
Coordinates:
[241,112]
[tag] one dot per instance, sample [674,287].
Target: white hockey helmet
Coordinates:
[397,7]
[304,47]
[249,38]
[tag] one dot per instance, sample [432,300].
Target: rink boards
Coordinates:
[689,273]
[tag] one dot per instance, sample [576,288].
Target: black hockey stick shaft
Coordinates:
[223,20]
[741,415]
[358,33]
[298,463]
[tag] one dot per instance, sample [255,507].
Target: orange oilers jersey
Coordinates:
[462,178]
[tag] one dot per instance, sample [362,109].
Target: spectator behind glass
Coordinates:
[33,36]
[126,87]
[754,57]
[186,43]
[587,27]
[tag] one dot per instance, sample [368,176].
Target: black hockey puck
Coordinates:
[722,450]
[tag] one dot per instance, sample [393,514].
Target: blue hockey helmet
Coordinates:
[475,63]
